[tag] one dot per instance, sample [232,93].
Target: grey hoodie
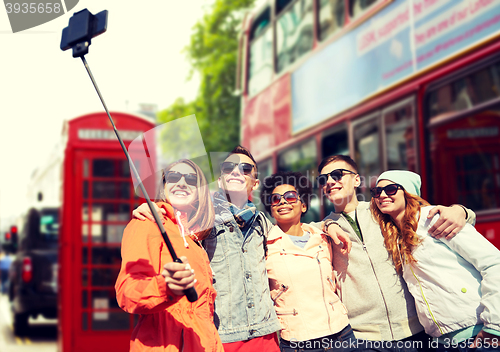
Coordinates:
[379,305]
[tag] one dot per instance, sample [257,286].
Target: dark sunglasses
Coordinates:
[245,168]
[174,177]
[290,197]
[336,175]
[390,190]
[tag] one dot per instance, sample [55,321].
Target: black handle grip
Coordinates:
[190,293]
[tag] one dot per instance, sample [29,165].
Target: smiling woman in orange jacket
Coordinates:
[151,285]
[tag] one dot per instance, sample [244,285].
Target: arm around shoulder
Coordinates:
[470,216]
[451,220]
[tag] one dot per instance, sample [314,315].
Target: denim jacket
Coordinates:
[243,306]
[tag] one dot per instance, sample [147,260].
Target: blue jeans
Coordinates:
[343,341]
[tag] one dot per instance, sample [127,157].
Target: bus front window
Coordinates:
[260,70]
[331,17]
[357,7]
[294,32]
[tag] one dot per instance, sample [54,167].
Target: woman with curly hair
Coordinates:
[151,285]
[300,272]
[455,283]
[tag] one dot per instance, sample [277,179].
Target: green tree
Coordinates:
[213,53]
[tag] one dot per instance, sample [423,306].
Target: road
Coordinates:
[41,337]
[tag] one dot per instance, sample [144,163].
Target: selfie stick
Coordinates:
[87,22]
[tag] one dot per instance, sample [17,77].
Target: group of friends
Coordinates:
[392,274]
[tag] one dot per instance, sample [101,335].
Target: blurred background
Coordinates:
[395,84]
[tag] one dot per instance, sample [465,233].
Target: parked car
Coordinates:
[33,274]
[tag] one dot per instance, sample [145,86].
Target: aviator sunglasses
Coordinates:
[390,190]
[174,177]
[290,197]
[336,175]
[245,168]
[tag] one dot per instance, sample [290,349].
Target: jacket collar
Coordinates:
[277,233]
[168,208]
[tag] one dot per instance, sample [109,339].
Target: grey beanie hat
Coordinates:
[409,180]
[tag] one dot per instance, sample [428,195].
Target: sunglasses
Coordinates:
[336,175]
[245,168]
[290,197]
[390,190]
[174,177]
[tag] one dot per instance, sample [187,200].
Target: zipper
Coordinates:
[323,289]
[373,269]
[425,300]
[331,283]
[293,312]
[382,292]
[282,290]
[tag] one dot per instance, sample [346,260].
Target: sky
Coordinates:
[138,60]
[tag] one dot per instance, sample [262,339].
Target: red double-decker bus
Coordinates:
[403,84]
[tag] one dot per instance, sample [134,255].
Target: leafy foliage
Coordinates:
[213,53]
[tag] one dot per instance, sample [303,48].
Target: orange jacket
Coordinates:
[168,322]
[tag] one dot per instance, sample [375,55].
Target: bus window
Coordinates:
[367,153]
[469,151]
[299,158]
[331,16]
[335,143]
[302,158]
[357,7]
[261,54]
[400,137]
[294,33]
[466,92]
[265,169]
[466,146]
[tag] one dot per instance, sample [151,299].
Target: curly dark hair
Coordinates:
[295,179]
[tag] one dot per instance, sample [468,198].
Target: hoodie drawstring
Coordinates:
[177,215]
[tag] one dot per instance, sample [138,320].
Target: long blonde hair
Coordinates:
[202,219]
[400,242]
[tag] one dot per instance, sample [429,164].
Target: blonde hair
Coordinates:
[202,218]
[400,242]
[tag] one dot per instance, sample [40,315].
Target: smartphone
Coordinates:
[82,27]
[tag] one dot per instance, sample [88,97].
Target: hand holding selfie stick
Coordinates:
[83,26]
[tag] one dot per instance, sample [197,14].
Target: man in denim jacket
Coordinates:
[244,313]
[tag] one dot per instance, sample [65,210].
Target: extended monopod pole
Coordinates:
[82,27]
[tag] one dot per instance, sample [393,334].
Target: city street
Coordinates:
[42,335]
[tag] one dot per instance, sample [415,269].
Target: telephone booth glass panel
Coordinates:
[107,201]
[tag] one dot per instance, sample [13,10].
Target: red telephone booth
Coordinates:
[98,197]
